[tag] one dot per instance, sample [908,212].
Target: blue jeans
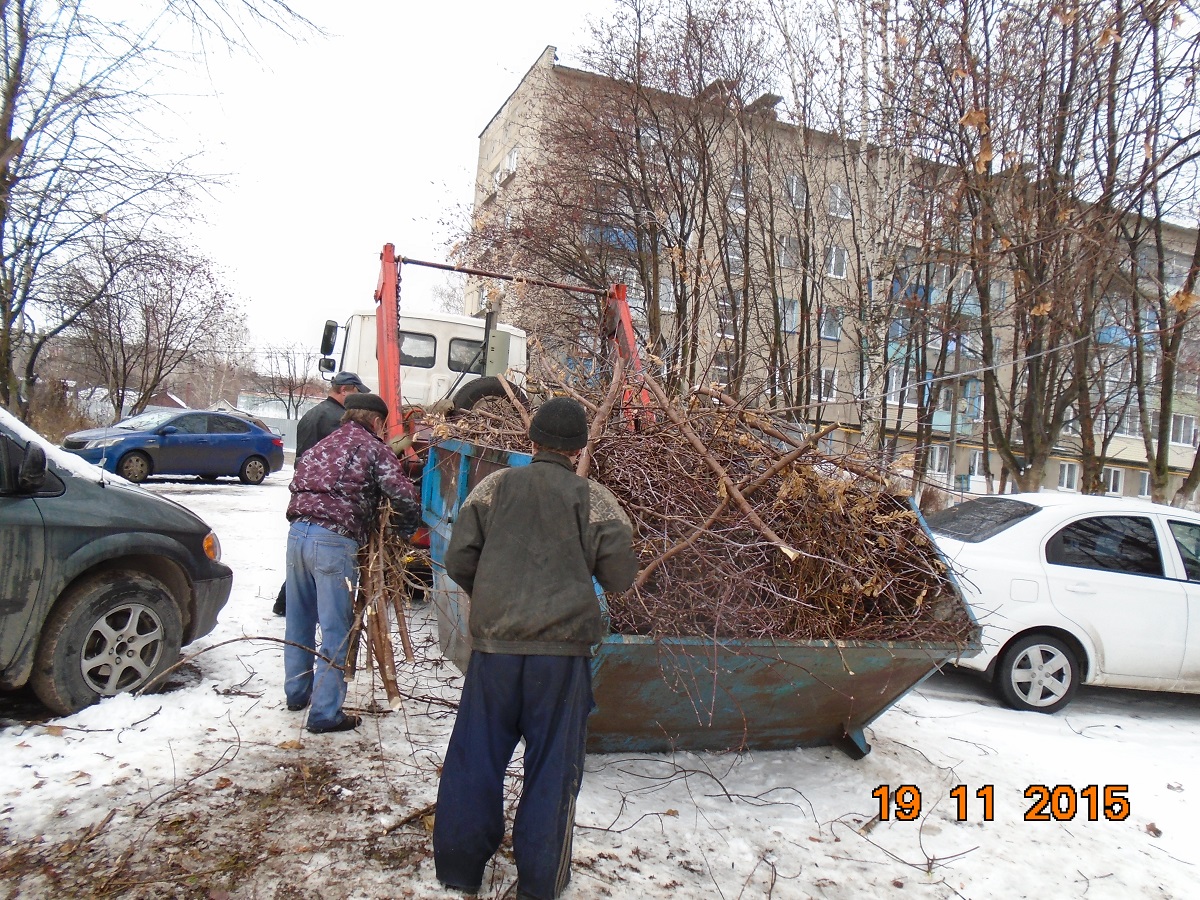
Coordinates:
[321,575]
[546,700]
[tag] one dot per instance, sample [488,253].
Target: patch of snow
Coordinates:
[219,767]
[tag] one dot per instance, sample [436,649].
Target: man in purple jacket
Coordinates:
[336,492]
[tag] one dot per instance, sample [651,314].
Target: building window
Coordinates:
[976,467]
[839,201]
[918,201]
[900,388]
[1128,424]
[790,311]
[796,190]
[726,308]
[973,399]
[824,386]
[722,364]
[999,296]
[789,252]
[831,325]
[1183,430]
[737,190]
[1117,380]
[938,462]
[1113,480]
[1144,486]
[1068,476]
[837,261]
[734,256]
[1071,422]
[666,295]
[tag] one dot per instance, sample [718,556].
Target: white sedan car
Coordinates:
[1073,589]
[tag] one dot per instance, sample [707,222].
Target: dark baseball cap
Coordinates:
[341,379]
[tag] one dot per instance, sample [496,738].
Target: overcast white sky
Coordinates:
[338,145]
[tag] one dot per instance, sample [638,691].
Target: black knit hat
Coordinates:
[560,424]
[372,402]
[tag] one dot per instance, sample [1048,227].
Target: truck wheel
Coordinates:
[110,633]
[254,470]
[486,388]
[134,466]
[1037,672]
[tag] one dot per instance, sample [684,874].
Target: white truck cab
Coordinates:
[440,353]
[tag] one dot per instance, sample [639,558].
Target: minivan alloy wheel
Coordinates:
[111,632]
[122,650]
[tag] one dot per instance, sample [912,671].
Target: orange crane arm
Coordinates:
[387,341]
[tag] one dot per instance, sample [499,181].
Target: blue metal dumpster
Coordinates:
[662,694]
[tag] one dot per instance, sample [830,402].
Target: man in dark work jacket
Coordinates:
[319,422]
[323,418]
[525,546]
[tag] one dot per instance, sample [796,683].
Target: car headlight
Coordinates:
[212,546]
[102,442]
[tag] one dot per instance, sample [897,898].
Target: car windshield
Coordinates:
[979,519]
[147,421]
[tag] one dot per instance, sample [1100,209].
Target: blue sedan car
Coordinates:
[181,442]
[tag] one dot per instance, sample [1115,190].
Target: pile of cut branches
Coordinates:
[744,528]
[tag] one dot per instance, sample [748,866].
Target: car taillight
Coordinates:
[278,442]
[212,546]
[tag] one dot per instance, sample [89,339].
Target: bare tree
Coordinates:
[1048,114]
[149,320]
[78,164]
[287,373]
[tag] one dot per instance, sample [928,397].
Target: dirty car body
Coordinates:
[101,582]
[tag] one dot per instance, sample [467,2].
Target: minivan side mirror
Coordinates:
[32,475]
[329,337]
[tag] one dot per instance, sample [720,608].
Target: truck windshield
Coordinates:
[419,350]
[465,356]
[979,519]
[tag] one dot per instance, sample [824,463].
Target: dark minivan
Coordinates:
[101,582]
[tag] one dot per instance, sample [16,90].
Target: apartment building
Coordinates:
[794,269]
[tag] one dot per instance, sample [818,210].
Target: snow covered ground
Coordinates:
[213,789]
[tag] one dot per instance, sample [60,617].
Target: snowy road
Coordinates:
[214,790]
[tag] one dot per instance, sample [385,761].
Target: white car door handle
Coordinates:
[1080,587]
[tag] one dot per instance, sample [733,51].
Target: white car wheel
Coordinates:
[1037,672]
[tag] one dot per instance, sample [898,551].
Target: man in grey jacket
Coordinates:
[525,547]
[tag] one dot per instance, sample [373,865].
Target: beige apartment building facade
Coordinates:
[768,254]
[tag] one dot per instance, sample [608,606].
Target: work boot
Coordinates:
[280,607]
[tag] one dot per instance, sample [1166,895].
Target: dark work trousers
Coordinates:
[545,700]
